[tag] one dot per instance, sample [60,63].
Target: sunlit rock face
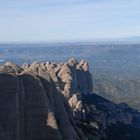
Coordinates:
[73,77]
[49,101]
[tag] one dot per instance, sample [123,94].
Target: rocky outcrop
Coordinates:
[71,77]
[49,101]
[33,108]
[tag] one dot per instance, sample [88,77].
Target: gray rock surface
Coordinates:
[48,101]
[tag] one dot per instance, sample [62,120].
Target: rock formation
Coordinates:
[48,101]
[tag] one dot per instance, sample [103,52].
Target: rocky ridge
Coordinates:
[49,101]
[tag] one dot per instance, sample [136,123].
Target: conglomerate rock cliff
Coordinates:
[49,101]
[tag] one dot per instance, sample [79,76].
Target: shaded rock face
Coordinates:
[30,112]
[48,101]
[8,107]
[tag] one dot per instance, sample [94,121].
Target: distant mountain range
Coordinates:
[133,39]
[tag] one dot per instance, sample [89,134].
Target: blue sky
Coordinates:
[59,20]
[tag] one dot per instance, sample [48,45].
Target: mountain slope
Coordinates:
[51,101]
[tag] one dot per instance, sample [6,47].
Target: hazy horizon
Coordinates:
[122,40]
